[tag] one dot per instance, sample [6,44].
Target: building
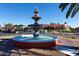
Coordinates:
[54,27]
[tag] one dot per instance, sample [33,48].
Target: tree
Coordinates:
[65,22]
[19,27]
[73,8]
[52,23]
[9,25]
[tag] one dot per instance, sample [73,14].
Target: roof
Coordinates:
[55,25]
[50,25]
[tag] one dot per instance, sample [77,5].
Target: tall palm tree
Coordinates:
[73,8]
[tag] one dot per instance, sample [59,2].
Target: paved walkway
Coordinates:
[69,47]
[65,42]
[72,43]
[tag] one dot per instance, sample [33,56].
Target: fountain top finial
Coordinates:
[36,10]
[36,17]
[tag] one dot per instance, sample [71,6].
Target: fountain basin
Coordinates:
[28,41]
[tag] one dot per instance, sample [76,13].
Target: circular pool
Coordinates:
[28,41]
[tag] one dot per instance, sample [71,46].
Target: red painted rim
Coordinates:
[36,44]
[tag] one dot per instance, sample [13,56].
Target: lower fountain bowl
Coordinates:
[27,41]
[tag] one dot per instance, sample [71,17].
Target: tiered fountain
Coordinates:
[35,40]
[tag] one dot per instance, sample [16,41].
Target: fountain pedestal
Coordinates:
[36,35]
[36,26]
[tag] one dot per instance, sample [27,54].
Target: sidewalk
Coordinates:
[69,47]
[70,42]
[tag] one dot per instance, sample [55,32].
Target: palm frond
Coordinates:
[63,6]
[70,9]
[74,12]
[76,9]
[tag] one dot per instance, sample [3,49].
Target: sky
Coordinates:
[21,13]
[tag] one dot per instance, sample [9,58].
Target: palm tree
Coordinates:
[73,8]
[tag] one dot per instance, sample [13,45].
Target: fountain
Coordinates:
[36,26]
[35,40]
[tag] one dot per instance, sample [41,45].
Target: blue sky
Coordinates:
[21,13]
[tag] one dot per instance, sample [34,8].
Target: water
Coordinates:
[30,38]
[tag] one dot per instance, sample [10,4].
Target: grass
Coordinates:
[72,38]
[8,35]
